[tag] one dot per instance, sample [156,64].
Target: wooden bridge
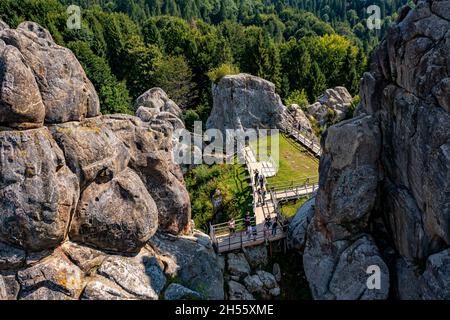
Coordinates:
[302,136]
[220,233]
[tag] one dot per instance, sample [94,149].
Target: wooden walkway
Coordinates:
[225,242]
[302,136]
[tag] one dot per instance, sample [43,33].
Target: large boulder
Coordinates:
[151,157]
[346,197]
[66,92]
[238,265]
[53,278]
[195,265]
[91,149]
[38,192]
[296,237]
[176,291]
[11,257]
[330,107]
[387,187]
[117,215]
[237,291]
[20,100]
[242,102]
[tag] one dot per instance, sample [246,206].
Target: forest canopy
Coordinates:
[130,46]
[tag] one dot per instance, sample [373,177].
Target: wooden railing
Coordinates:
[304,137]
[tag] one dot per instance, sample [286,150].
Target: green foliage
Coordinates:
[114,96]
[351,110]
[127,47]
[223,70]
[298,97]
[203,181]
[190,117]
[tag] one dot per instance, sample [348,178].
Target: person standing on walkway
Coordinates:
[256,176]
[263,196]
[258,192]
[255,232]
[232,226]
[274,226]
[249,232]
[247,220]
[261,180]
[267,225]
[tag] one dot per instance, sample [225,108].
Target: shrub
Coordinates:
[298,97]
[225,69]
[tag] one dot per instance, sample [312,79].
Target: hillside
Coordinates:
[127,47]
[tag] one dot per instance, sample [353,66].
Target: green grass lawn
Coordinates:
[231,180]
[294,161]
[290,208]
[295,164]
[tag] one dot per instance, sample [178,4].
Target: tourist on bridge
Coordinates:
[232,226]
[259,193]
[262,180]
[256,175]
[263,195]
[267,225]
[255,232]
[274,226]
[249,232]
[247,219]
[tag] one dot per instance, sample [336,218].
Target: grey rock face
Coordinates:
[345,200]
[38,193]
[301,118]
[66,92]
[244,101]
[20,100]
[118,215]
[404,181]
[333,103]
[9,287]
[91,149]
[237,291]
[151,158]
[176,291]
[436,282]
[103,289]
[196,266]
[3,25]
[10,257]
[130,275]
[238,265]
[257,257]
[86,258]
[54,278]
[298,227]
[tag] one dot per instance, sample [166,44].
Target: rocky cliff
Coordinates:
[244,101]
[91,206]
[384,196]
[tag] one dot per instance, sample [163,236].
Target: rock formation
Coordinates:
[331,107]
[246,277]
[82,196]
[384,197]
[242,102]
[66,92]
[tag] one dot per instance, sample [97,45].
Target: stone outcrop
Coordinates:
[298,226]
[331,107]
[242,102]
[21,106]
[246,277]
[83,195]
[384,188]
[66,92]
[38,192]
